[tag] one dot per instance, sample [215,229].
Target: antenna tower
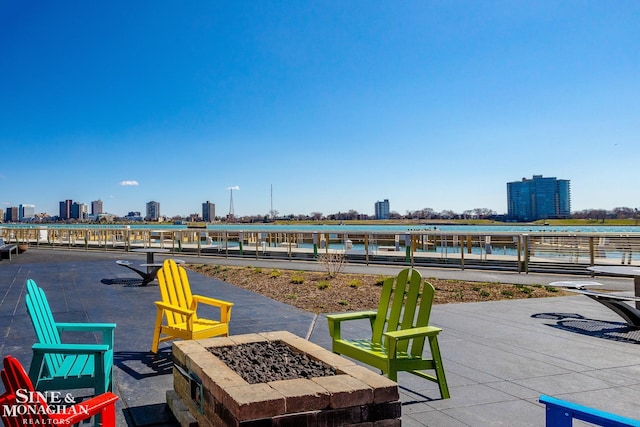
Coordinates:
[231,213]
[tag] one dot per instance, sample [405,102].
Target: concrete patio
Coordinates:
[499,356]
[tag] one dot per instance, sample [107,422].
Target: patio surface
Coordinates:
[498,356]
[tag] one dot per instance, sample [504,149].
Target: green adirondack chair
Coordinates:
[59,366]
[399,329]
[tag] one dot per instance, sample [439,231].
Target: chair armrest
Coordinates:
[336,319]
[224,306]
[70,348]
[173,308]
[103,403]
[107,330]
[406,334]
[212,301]
[395,336]
[85,326]
[354,315]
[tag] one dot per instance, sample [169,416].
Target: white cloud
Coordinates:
[237,187]
[129,183]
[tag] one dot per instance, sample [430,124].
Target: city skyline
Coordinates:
[319,107]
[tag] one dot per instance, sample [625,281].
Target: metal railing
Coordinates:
[521,252]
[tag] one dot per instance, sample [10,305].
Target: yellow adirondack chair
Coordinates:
[178,307]
[399,329]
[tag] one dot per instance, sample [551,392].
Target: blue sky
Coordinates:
[334,104]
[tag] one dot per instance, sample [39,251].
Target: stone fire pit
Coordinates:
[318,387]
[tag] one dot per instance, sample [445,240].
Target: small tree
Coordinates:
[333,262]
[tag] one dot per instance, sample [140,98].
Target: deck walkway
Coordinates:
[499,356]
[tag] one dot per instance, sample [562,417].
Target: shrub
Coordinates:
[485,294]
[525,289]
[343,302]
[379,281]
[507,293]
[323,284]
[333,262]
[275,273]
[355,283]
[297,280]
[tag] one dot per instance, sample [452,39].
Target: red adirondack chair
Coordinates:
[20,405]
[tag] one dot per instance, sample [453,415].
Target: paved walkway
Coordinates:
[499,356]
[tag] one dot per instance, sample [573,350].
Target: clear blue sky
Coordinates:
[336,104]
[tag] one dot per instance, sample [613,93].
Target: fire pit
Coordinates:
[275,378]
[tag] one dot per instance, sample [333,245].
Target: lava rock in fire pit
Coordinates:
[261,362]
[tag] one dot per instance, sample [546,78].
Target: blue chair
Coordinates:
[59,366]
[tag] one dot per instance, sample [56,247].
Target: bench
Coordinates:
[561,413]
[7,248]
[147,271]
[614,302]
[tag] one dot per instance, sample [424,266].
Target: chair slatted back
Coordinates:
[405,302]
[15,378]
[174,290]
[43,323]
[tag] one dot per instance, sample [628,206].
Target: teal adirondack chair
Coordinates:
[399,329]
[59,366]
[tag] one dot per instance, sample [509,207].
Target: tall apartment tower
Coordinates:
[153,211]
[65,209]
[382,209]
[26,212]
[79,211]
[208,211]
[11,215]
[96,207]
[538,198]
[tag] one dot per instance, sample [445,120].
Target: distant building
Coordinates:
[153,211]
[79,211]
[11,215]
[133,216]
[538,198]
[96,207]
[208,211]
[26,212]
[65,209]
[382,209]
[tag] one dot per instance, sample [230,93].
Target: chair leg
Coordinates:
[156,332]
[439,368]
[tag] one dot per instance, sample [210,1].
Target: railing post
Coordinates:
[462,252]
[366,248]
[519,251]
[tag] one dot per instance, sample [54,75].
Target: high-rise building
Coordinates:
[208,211]
[538,198]
[26,212]
[12,214]
[79,211]
[382,209]
[153,211]
[65,209]
[96,207]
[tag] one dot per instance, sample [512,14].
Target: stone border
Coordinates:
[354,395]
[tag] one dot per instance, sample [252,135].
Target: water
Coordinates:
[391,229]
